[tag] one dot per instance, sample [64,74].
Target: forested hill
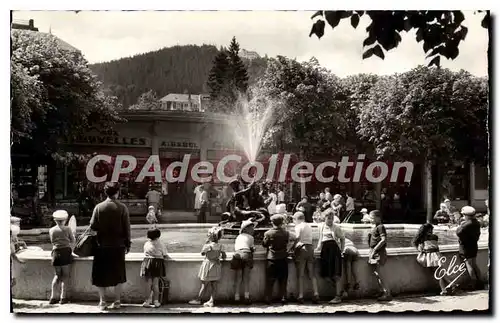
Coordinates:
[178,69]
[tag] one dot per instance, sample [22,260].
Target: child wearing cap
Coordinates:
[153,266]
[242,262]
[468,234]
[377,241]
[304,256]
[276,242]
[62,238]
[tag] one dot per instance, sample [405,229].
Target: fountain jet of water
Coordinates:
[250,124]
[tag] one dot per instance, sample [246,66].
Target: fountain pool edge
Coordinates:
[402,271]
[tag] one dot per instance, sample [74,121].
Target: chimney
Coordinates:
[31,24]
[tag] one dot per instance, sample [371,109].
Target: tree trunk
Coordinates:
[428,188]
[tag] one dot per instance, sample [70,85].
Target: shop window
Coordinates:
[481,177]
[454,183]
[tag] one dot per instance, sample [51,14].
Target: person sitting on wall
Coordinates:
[441,216]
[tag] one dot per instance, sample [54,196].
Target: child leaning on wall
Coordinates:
[62,239]
[211,267]
[153,267]
[14,231]
[242,262]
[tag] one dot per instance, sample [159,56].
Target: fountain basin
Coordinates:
[187,238]
[402,272]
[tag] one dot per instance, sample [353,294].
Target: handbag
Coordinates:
[421,259]
[85,244]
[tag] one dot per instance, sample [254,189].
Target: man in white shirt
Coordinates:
[304,256]
[281,196]
[204,205]
[197,198]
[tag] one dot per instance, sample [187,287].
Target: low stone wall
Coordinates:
[401,272]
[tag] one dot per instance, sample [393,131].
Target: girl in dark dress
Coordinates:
[330,243]
[427,244]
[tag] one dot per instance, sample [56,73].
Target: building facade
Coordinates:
[184,102]
[208,137]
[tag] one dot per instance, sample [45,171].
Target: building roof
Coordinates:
[175,97]
[23,24]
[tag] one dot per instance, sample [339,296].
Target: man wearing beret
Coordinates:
[468,234]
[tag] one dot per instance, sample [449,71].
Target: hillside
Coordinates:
[178,69]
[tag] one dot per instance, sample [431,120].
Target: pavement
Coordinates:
[467,301]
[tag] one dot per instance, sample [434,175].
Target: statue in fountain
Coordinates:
[235,207]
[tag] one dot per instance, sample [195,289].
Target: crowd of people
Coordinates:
[449,215]
[337,255]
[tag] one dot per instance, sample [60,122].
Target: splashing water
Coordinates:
[249,127]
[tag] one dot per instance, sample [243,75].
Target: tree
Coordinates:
[312,107]
[218,74]
[148,101]
[427,113]
[440,31]
[238,70]
[54,96]
[228,79]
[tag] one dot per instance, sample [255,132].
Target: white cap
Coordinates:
[468,210]
[337,196]
[15,220]
[447,200]
[363,210]
[60,215]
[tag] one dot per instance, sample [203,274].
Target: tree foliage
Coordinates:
[312,107]
[427,113]
[424,113]
[439,31]
[227,79]
[54,95]
[148,101]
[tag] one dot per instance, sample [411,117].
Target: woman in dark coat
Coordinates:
[111,221]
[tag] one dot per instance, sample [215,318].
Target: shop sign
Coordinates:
[99,140]
[178,144]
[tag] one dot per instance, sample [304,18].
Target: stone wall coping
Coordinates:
[37,254]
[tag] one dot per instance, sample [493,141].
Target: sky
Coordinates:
[108,35]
